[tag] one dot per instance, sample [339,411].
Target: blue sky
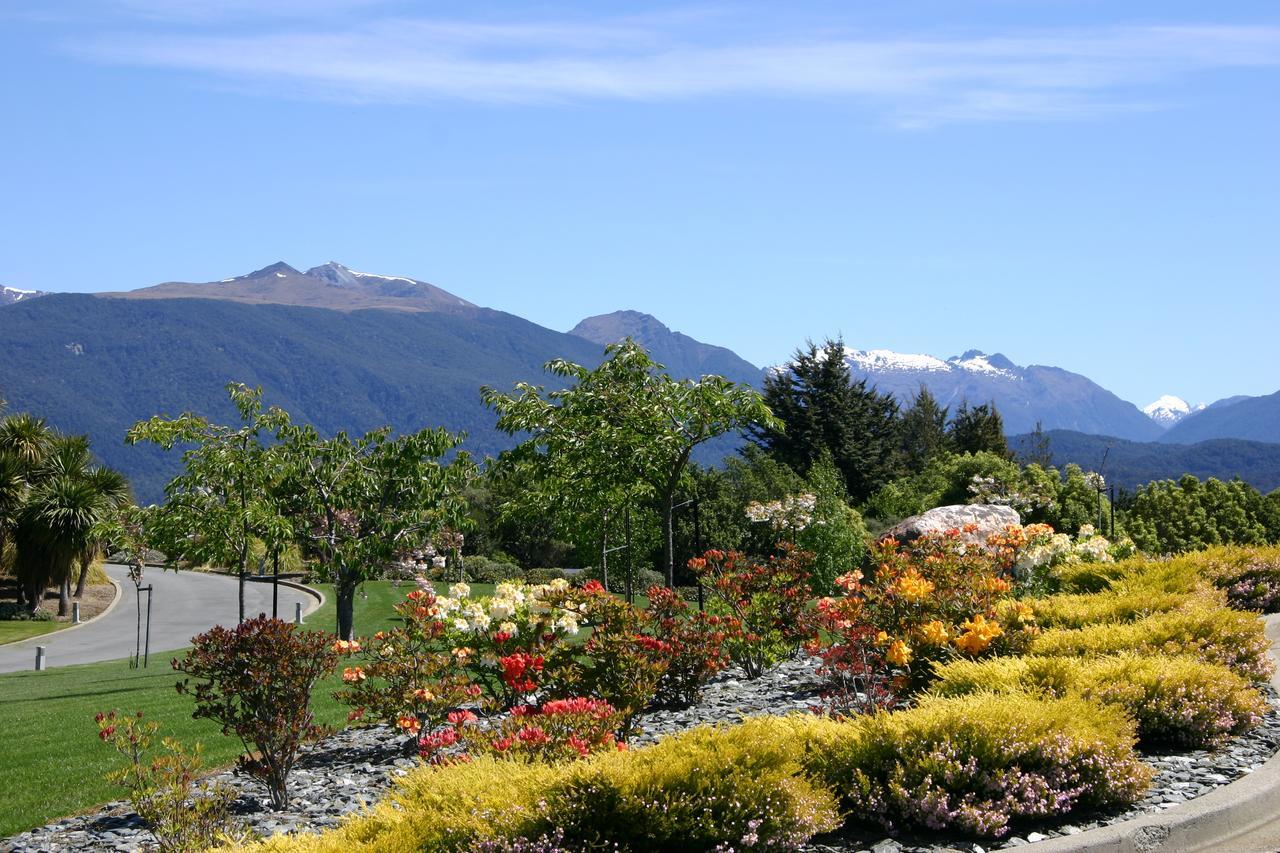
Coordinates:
[1092,185]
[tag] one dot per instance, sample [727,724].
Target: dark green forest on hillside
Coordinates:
[95,366]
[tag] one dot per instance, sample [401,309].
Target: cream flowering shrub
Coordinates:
[507,640]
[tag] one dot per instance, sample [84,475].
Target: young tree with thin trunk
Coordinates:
[625,430]
[211,508]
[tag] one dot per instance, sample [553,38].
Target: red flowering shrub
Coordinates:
[937,600]
[411,676]
[558,730]
[765,601]
[692,642]
[256,681]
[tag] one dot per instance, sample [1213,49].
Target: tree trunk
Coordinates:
[346,608]
[604,548]
[86,560]
[64,596]
[669,539]
[35,596]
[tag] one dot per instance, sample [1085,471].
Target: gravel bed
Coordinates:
[356,766]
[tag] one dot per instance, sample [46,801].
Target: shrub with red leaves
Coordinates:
[256,681]
[692,642]
[768,602]
[558,730]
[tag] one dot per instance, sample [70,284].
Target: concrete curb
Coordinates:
[35,641]
[316,594]
[1212,822]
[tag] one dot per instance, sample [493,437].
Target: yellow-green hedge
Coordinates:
[1200,629]
[975,763]
[1173,699]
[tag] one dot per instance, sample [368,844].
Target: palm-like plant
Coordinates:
[67,497]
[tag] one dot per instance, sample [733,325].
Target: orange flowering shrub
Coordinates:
[938,599]
[411,676]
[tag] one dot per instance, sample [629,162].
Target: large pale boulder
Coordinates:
[990,518]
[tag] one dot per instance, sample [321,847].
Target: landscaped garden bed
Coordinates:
[991,731]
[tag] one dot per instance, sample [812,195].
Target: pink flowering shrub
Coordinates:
[557,730]
[979,764]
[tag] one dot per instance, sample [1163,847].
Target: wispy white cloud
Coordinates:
[1029,75]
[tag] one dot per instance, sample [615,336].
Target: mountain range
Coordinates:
[353,350]
[10,295]
[1053,397]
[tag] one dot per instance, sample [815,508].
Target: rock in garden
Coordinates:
[990,519]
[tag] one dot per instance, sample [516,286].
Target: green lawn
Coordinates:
[12,630]
[52,761]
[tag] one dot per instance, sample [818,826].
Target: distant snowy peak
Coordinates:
[886,361]
[10,295]
[1168,410]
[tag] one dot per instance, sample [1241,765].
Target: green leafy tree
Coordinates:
[213,508]
[67,497]
[1167,517]
[365,501]
[978,429]
[820,409]
[623,431]
[836,535]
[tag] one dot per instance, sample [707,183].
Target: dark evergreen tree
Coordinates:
[823,409]
[924,432]
[977,429]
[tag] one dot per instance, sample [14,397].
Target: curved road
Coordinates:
[183,604]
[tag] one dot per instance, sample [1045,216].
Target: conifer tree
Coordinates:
[822,409]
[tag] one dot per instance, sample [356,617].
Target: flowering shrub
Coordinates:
[1249,576]
[622,663]
[694,646]
[182,815]
[411,675]
[977,763]
[557,730]
[1174,700]
[767,602]
[505,642]
[255,680]
[934,601]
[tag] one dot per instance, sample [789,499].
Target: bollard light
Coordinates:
[297,613]
[39,658]
[75,613]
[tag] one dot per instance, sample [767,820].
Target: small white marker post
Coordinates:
[297,613]
[75,613]
[39,658]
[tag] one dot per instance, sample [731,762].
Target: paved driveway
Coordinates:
[183,605]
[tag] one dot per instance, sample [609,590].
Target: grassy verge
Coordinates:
[52,761]
[11,631]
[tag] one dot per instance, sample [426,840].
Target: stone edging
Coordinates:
[1209,822]
[35,641]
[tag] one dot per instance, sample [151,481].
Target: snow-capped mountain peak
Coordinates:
[883,359]
[1168,410]
[9,295]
